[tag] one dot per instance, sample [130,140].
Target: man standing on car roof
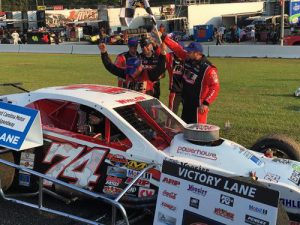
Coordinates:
[122,58]
[200,81]
[137,76]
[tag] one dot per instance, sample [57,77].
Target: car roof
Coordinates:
[105,96]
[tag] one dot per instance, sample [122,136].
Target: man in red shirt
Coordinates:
[122,58]
[138,75]
[200,81]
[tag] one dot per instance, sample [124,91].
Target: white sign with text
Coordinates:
[20,127]
[188,195]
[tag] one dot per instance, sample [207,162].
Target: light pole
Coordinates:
[0,5]
[36,2]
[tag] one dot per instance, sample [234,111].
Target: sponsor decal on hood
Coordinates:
[196,153]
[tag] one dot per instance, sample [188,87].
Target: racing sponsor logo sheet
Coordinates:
[189,195]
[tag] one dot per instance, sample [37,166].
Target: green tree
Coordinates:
[14,5]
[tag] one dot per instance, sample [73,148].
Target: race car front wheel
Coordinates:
[280,145]
[6,173]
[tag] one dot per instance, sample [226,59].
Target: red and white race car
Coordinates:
[137,133]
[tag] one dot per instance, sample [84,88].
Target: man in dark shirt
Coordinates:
[139,74]
[94,125]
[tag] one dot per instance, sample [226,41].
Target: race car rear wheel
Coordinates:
[280,145]
[6,173]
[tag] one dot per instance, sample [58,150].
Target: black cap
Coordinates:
[145,42]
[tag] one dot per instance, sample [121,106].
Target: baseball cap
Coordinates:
[132,65]
[145,42]
[194,47]
[133,42]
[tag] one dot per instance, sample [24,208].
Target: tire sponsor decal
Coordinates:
[226,200]
[194,202]
[116,171]
[168,206]
[110,190]
[117,160]
[295,177]
[113,181]
[165,219]
[171,181]
[224,213]
[136,165]
[272,177]
[145,192]
[134,173]
[258,210]
[139,182]
[196,190]
[255,221]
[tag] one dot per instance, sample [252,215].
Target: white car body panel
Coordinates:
[227,159]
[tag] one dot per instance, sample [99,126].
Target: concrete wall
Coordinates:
[212,13]
[257,51]
[239,51]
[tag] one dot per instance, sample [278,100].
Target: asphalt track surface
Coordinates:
[15,214]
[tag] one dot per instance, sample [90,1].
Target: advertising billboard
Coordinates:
[294,12]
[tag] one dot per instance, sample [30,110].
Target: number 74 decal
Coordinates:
[80,169]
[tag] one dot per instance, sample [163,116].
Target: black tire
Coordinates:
[282,146]
[282,216]
[7,173]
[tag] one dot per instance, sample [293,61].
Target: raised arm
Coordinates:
[174,46]
[112,68]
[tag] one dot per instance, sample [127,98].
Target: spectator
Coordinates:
[15,36]
[221,31]
[252,34]
[63,35]
[292,29]
[56,38]
[24,39]
[218,38]
[161,29]
[237,34]
[103,35]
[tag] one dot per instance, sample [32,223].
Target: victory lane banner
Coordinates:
[188,195]
[20,127]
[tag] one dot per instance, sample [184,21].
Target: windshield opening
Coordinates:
[152,121]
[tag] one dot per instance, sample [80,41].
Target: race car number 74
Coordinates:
[80,169]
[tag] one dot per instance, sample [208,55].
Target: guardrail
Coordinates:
[115,203]
[244,51]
